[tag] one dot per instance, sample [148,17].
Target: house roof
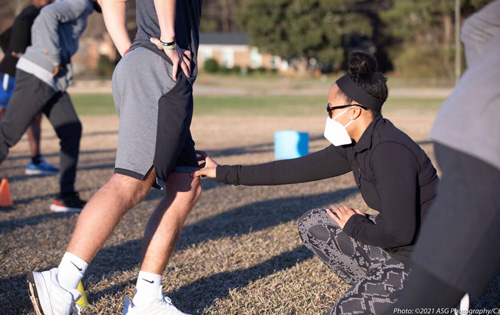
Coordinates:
[220,38]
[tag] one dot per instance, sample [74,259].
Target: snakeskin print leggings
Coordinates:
[376,278]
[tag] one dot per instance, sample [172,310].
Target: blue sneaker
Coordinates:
[41,168]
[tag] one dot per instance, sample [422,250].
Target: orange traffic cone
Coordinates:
[5,197]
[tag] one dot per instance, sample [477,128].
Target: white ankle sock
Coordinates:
[71,271]
[147,289]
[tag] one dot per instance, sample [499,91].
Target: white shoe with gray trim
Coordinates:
[158,307]
[47,295]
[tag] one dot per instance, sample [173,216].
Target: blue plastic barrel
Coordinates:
[290,144]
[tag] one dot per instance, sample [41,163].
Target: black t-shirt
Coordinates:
[392,172]
[187,23]
[19,38]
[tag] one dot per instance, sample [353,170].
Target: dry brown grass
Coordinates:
[239,252]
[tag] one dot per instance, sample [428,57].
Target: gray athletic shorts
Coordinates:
[155,115]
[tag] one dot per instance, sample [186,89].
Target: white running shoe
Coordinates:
[157,307]
[48,297]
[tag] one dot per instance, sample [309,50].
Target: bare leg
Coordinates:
[34,132]
[104,211]
[165,225]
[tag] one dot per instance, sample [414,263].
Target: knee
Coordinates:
[184,187]
[316,224]
[195,192]
[304,224]
[196,189]
[70,132]
[132,189]
[77,129]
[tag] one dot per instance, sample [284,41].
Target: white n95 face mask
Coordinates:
[335,132]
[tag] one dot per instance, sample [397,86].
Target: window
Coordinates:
[255,58]
[228,57]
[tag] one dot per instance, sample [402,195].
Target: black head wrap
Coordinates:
[353,91]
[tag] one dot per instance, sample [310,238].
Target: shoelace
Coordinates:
[167,301]
[76,309]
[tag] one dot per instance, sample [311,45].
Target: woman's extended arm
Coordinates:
[115,18]
[315,166]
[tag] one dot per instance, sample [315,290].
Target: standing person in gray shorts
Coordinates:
[152,89]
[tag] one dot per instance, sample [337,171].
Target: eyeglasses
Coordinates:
[330,109]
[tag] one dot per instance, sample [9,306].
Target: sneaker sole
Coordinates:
[33,294]
[38,172]
[56,208]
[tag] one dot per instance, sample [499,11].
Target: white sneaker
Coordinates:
[48,297]
[157,307]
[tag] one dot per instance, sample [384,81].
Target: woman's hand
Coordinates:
[178,56]
[342,214]
[208,166]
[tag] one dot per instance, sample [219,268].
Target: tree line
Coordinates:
[412,37]
[404,35]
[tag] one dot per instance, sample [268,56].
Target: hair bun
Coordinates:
[362,64]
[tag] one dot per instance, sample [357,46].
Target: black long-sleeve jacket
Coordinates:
[393,173]
[17,39]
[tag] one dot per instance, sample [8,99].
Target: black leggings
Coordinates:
[31,97]
[376,278]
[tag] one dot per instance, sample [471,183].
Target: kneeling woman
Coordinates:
[393,173]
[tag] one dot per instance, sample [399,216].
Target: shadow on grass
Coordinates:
[10,225]
[257,216]
[56,154]
[204,292]
[21,178]
[249,149]
[14,298]
[242,220]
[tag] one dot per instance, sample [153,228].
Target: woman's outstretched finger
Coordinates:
[201,173]
[358,212]
[202,153]
[197,173]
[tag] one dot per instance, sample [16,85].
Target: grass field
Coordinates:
[239,252]
[102,104]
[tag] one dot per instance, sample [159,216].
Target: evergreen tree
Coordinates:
[304,29]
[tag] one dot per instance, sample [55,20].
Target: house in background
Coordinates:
[232,49]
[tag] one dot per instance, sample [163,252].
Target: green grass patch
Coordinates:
[102,104]
[292,105]
[94,104]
